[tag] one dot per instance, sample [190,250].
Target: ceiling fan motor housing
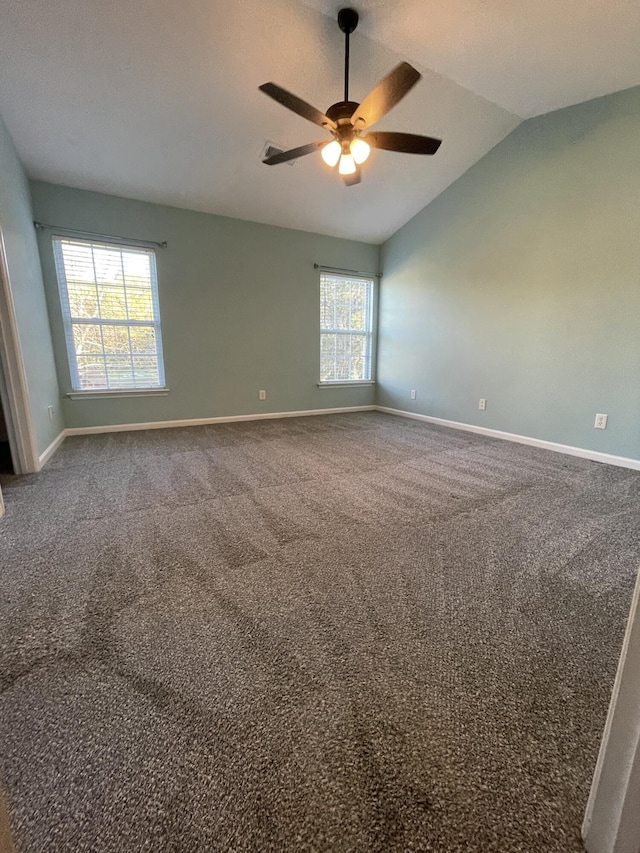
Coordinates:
[342,111]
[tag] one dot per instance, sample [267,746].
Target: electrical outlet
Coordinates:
[601,422]
[482,405]
[262,395]
[413,393]
[50,412]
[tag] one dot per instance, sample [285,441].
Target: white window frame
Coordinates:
[70,321]
[367,333]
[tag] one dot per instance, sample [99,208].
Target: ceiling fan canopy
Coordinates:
[347,120]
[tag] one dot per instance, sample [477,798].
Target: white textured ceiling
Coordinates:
[158,99]
[528,57]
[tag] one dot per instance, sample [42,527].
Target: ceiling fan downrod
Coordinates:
[347,21]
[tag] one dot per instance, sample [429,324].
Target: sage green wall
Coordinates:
[521,284]
[239,305]
[25,279]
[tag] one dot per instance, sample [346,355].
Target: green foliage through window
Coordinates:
[109,300]
[346,319]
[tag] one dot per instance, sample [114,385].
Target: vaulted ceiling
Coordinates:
[158,99]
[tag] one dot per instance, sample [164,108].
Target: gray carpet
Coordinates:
[342,633]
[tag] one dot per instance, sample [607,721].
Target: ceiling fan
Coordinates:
[347,119]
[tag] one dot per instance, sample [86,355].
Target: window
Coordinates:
[109,299]
[346,327]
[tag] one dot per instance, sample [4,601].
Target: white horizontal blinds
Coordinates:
[109,299]
[346,315]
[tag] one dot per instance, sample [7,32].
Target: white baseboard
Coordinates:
[593,455]
[48,453]
[221,420]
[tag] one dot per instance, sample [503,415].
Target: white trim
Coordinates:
[356,383]
[611,822]
[46,455]
[96,430]
[22,435]
[123,392]
[593,455]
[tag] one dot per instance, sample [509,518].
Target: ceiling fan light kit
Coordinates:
[331,152]
[346,120]
[360,150]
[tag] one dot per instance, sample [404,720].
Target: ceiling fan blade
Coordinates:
[385,95]
[297,105]
[352,180]
[294,153]
[405,143]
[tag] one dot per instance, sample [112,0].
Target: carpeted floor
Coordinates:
[342,633]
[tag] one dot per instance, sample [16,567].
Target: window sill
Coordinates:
[353,384]
[124,392]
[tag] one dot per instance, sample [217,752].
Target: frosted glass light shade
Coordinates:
[360,150]
[347,165]
[331,153]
